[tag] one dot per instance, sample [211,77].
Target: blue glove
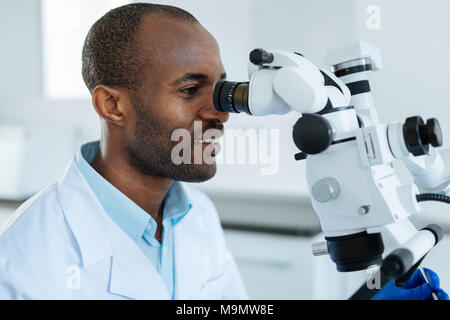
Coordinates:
[415,289]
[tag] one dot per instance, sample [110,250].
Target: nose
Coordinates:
[210,112]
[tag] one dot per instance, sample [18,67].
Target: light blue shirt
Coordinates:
[132,219]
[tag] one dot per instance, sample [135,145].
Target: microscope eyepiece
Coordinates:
[231,97]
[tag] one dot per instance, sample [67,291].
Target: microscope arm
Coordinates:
[292,82]
[400,264]
[431,172]
[306,94]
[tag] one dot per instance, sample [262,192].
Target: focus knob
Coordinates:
[433,133]
[313,134]
[326,189]
[418,136]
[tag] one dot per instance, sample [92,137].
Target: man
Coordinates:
[119,224]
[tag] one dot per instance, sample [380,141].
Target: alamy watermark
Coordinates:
[237,147]
[373,21]
[374,280]
[73,281]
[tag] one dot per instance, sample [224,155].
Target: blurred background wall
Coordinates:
[268,219]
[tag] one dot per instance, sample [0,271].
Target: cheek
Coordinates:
[172,111]
[180,114]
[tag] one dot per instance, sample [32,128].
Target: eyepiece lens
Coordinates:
[231,97]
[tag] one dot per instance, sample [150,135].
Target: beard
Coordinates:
[150,151]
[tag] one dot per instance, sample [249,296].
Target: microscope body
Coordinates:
[362,205]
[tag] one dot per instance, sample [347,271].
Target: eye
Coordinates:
[190,91]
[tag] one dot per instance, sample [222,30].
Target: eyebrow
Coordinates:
[194,76]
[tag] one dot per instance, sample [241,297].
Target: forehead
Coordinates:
[176,47]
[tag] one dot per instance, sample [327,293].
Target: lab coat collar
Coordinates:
[132,273]
[85,216]
[190,254]
[122,210]
[99,238]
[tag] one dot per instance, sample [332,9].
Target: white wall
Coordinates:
[413,40]
[20,55]
[228,23]
[65,25]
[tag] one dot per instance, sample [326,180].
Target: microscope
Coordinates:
[362,205]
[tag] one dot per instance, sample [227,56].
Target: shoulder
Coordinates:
[30,212]
[33,216]
[36,241]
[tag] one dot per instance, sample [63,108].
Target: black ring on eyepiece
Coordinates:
[216,96]
[347,71]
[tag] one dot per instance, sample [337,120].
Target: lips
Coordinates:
[216,138]
[208,141]
[213,151]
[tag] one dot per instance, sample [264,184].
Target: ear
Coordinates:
[111,104]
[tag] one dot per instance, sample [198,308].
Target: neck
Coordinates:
[146,191]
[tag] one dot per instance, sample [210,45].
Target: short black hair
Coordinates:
[110,52]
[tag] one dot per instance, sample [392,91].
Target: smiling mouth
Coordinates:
[207,142]
[215,139]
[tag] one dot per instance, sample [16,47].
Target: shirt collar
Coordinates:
[122,210]
[177,203]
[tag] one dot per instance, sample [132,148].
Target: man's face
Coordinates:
[177,91]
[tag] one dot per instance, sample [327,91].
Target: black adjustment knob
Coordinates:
[433,133]
[418,135]
[312,134]
[260,57]
[301,156]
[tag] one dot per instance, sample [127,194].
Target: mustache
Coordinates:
[214,125]
[210,125]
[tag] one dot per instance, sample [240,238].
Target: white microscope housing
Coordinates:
[362,205]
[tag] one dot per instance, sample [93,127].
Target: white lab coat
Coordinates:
[61,244]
